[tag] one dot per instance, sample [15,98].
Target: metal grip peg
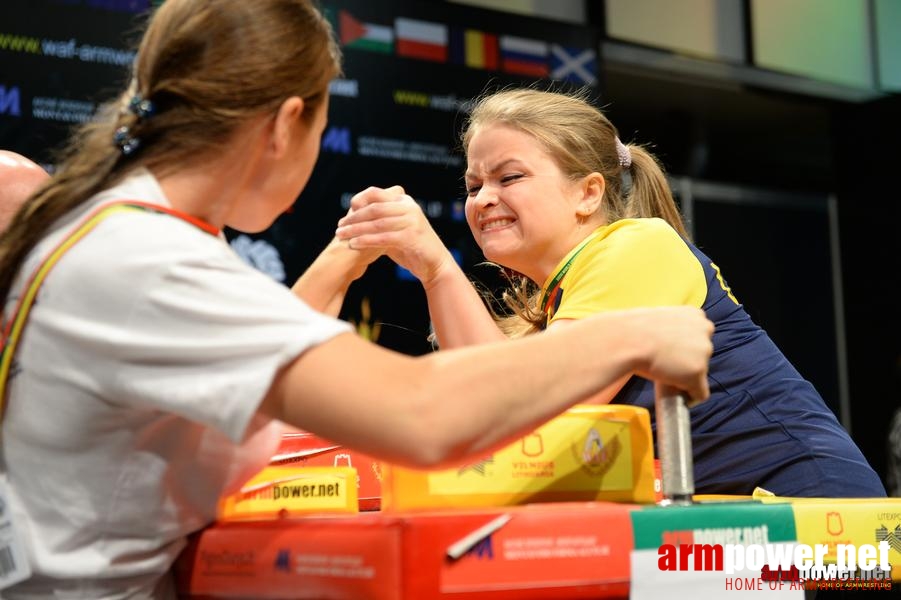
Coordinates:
[674,447]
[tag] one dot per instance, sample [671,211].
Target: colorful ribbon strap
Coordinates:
[13,328]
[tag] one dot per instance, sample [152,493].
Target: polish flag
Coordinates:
[421,39]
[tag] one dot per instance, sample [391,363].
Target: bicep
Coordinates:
[347,390]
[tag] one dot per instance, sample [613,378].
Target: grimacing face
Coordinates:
[520,206]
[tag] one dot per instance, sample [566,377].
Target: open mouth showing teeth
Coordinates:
[497,224]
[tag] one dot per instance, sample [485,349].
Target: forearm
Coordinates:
[606,395]
[324,284]
[458,313]
[333,306]
[549,381]
[322,290]
[445,406]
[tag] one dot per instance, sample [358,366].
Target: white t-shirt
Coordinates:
[132,400]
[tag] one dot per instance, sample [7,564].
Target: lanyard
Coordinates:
[13,328]
[552,291]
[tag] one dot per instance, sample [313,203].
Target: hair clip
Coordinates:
[127,143]
[140,107]
[622,151]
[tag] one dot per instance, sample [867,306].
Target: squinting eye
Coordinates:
[509,178]
[473,190]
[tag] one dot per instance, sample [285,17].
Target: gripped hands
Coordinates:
[389,220]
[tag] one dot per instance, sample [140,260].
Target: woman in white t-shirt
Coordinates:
[147,367]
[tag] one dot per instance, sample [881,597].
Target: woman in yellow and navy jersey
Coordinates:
[546,199]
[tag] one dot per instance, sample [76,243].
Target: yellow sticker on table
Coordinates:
[277,491]
[848,521]
[570,452]
[588,453]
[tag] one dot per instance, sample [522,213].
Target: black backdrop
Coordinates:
[58,60]
[394,118]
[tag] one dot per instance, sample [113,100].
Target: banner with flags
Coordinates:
[445,41]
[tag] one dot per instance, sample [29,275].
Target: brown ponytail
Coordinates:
[207,67]
[650,194]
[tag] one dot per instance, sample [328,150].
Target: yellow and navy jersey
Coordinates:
[764,424]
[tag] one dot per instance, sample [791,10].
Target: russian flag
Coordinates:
[524,56]
[421,39]
[475,49]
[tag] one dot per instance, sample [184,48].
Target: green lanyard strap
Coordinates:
[550,293]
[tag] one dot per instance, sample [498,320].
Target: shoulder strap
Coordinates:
[12,329]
